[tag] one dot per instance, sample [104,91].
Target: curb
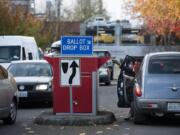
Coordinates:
[48,118]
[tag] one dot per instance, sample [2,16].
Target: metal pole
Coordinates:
[58,9]
[117,35]
[97,33]
[71,99]
[94,92]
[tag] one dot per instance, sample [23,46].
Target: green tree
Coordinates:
[85,9]
[17,21]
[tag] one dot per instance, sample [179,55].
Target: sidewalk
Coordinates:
[48,118]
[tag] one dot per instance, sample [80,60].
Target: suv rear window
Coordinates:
[164,65]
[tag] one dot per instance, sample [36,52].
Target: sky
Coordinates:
[114,7]
[40,6]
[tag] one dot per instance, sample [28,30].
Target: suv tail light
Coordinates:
[138,91]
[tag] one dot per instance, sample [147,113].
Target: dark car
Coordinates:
[106,70]
[125,82]
[33,79]
[105,74]
[8,97]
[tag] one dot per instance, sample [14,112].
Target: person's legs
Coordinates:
[129,117]
[130,114]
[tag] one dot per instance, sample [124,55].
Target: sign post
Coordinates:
[71,99]
[70,76]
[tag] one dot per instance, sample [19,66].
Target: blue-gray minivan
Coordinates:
[156,88]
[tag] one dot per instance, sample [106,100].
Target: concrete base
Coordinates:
[48,118]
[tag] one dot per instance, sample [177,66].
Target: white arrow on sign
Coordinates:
[70,72]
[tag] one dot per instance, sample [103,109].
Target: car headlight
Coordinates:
[21,87]
[103,72]
[42,87]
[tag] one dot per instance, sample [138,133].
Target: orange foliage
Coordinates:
[161,16]
[18,21]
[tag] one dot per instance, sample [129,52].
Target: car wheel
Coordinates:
[107,83]
[112,74]
[138,117]
[12,114]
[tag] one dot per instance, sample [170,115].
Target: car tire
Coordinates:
[138,117]
[11,119]
[108,83]
[112,74]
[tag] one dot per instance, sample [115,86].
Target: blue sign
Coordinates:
[76,45]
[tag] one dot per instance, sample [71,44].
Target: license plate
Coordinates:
[173,106]
[23,94]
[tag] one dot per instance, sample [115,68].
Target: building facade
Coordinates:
[25,4]
[39,8]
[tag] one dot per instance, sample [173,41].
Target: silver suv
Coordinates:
[156,87]
[8,97]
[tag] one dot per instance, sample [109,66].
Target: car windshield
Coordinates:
[30,69]
[9,53]
[102,53]
[164,65]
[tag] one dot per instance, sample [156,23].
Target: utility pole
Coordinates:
[58,9]
[100,8]
[58,19]
[88,5]
[81,10]
[32,6]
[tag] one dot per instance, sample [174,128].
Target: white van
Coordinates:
[13,48]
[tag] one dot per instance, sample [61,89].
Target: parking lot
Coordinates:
[90,67]
[107,99]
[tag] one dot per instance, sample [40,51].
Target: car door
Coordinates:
[126,81]
[124,90]
[3,90]
[123,94]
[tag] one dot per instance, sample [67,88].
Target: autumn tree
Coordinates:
[17,21]
[6,22]
[161,16]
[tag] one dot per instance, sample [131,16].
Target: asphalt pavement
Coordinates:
[107,100]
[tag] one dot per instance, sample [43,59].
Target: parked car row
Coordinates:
[149,86]
[25,81]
